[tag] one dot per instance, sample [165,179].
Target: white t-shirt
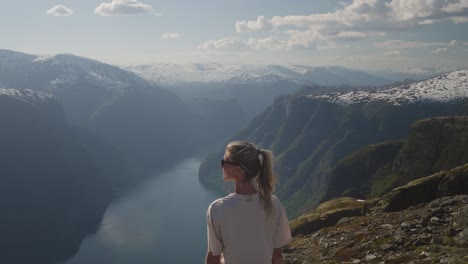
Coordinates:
[239,227]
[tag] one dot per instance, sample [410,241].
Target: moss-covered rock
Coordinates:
[327,214]
[390,237]
[426,189]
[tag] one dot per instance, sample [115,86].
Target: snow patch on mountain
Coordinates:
[26,95]
[444,88]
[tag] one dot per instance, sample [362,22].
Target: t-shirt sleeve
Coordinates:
[283,232]
[215,243]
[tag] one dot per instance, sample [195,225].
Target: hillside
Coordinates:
[309,134]
[56,181]
[430,227]
[433,145]
[399,226]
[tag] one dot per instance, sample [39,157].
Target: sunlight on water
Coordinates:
[162,221]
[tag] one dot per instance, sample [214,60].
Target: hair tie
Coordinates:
[261,158]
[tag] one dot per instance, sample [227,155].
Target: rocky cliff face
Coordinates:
[433,145]
[53,192]
[422,221]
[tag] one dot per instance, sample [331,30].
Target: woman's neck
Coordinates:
[245,187]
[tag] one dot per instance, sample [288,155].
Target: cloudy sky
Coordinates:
[366,34]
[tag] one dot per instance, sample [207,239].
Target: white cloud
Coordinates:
[123,8]
[237,44]
[395,53]
[439,51]
[456,6]
[459,19]
[170,36]
[270,43]
[453,43]
[224,44]
[60,10]
[360,19]
[260,24]
[402,44]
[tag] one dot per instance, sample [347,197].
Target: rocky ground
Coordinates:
[435,232]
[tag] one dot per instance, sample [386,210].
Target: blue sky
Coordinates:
[366,34]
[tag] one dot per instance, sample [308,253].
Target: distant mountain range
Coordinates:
[254,87]
[182,74]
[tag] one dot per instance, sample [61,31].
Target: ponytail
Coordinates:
[266,180]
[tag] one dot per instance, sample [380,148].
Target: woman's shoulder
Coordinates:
[276,202]
[219,203]
[275,199]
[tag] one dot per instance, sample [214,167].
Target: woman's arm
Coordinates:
[277,256]
[210,259]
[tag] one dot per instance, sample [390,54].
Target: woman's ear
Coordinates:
[240,173]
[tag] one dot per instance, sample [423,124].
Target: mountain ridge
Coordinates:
[100,97]
[180,74]
[443,88]
[309,135]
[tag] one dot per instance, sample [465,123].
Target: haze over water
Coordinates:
[162,221]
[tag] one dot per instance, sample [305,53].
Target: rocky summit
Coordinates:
[435,232]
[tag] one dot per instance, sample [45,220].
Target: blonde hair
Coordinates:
[260,169]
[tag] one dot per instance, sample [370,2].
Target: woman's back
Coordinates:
[248,233]
[250,225]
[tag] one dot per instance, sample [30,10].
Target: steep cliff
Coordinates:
[53,189]
[433,145]
[309,136]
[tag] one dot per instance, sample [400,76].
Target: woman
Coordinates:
[249,226]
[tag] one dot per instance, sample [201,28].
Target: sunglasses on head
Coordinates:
[223,162]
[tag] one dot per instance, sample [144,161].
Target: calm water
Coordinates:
[163,221]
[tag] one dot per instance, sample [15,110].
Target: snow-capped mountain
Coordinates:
[112,102]
[182,74]
[444,88]
[416,74]
[46,73]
